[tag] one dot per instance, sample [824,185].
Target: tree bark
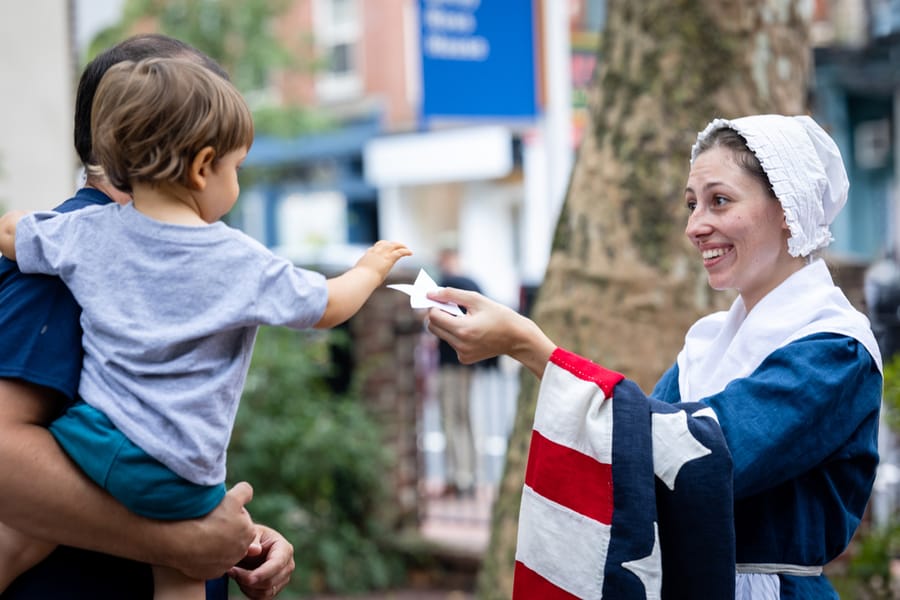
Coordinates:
[623,284]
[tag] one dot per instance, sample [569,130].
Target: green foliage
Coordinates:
[868,575]
[891,398]
[316,462]
[105,38]
[290,122]
[237,34]
[872,563]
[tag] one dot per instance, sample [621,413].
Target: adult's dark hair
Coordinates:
[135,48]
[743,156]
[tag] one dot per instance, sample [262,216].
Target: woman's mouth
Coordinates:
[712,255]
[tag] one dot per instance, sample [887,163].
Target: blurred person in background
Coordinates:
[45,494]
[454,387]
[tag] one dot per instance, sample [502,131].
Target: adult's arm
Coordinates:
[799,407]
[46,496]
[489,329]
[799,410]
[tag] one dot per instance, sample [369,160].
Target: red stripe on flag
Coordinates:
[570,478]
[528,585]
[587,370]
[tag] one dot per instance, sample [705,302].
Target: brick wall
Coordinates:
[384,337]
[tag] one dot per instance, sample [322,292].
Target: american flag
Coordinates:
[625,496]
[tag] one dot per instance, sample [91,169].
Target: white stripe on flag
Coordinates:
[562,546]
[574,413]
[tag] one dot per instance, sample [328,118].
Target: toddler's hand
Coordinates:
[381,257]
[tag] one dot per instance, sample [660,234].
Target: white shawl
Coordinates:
[728,345]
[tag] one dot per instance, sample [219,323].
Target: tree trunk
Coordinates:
[623,284]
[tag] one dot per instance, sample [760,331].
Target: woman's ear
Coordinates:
[200,168]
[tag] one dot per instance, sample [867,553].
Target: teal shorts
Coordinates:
[136,479]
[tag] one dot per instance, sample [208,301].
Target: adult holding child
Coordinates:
[789,378]
[45,494]
[171,297]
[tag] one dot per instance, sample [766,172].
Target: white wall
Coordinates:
[37,160]
[487,239]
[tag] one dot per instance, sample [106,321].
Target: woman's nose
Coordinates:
[698,224]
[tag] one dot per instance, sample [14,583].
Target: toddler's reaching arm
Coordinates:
[349,291]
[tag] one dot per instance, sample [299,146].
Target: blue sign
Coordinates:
[478,59]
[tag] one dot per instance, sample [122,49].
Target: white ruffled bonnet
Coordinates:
[803,165]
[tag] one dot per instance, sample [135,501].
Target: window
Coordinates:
[337,30]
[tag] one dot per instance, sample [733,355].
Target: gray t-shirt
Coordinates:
[169,314]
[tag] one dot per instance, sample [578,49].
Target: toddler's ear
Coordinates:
[200,168]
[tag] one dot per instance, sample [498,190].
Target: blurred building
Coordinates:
[456,116]
[463,116]
[856,96]
[452,116]
[448,120]
[37,159]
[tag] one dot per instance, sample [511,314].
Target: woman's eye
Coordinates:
[691,205]
[720,200]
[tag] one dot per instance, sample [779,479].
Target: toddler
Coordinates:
[171,297]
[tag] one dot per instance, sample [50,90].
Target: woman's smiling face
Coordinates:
[737,226]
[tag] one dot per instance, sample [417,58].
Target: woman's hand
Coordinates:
[264,575]
[489,329]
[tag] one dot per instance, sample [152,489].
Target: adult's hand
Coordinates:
[264,575]
[489,329]
[220,539]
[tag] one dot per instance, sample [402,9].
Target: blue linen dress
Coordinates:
[802,430]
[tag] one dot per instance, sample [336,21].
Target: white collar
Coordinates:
[728,345]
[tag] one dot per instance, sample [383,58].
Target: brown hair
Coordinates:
[743,156]
[138,47]
[150,119]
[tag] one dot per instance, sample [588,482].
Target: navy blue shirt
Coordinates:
[41,344]
[40,315]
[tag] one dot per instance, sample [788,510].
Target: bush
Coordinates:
[316,462]
[874,550]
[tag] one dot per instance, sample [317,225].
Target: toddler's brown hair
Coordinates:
[152,117]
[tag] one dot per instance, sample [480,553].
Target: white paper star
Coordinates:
[417,294]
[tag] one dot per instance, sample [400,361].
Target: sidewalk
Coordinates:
[461,524]
[460,527]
